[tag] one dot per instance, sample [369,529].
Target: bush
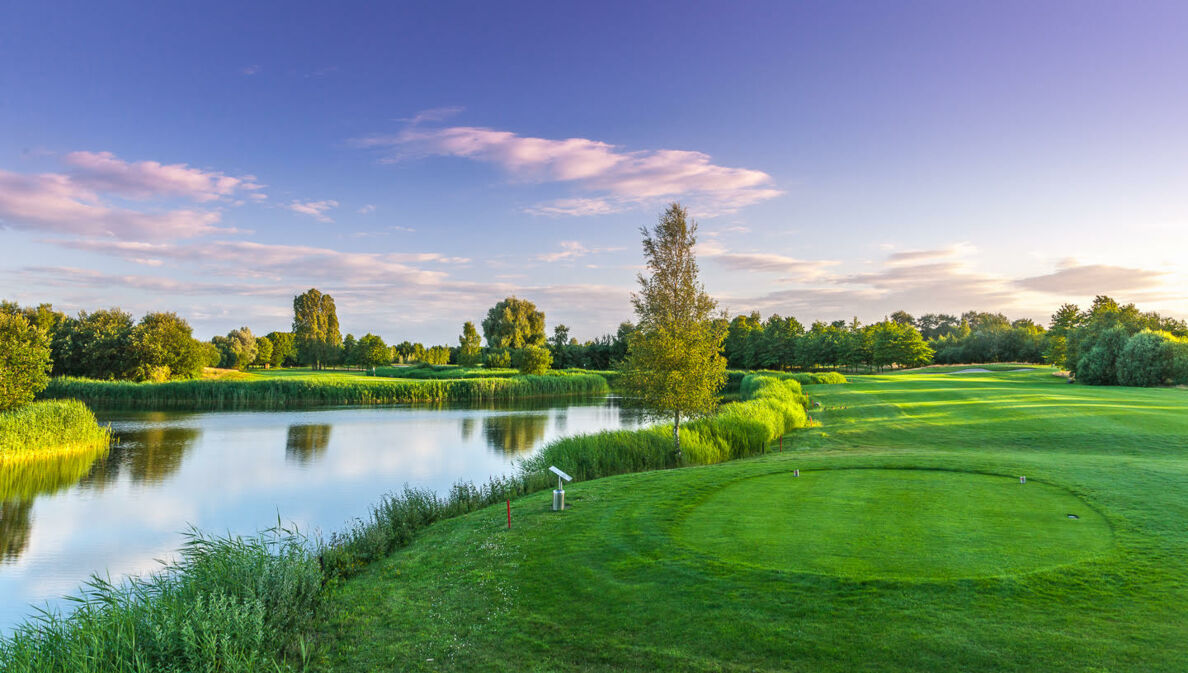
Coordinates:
[497,359]
[24,361]
[535,360]
[1147,359]
[1099,365]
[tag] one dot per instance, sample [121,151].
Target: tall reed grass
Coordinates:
[313,391]
[44,429]
[232,605]
[771,408]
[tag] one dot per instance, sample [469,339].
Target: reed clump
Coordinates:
[281,393]
[226,604]
[771,407]
[50,428]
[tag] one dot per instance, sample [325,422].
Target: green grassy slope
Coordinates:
[624,580]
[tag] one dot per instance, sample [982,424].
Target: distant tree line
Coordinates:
[1107,344]
[784,343]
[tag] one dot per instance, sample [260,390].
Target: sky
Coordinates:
[421,161]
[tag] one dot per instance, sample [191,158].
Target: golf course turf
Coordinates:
[872,524]
[907,544]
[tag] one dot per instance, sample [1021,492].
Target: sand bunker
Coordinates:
[972,370]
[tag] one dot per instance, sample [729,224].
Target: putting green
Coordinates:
[896,524]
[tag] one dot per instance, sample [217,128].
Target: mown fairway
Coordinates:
[940,560]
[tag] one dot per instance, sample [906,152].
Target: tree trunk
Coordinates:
[676,436]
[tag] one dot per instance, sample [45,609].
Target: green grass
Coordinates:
[872,524]
[289,388]
[50,428]
[623,580]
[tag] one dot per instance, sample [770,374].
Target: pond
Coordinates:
[239,471]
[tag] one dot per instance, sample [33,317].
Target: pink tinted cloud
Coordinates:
[104,172]
[620,178]
[57,203]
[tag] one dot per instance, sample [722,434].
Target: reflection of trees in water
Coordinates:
[307,442]
[147,454]
[15,524]
[467,427]
[514,433]
[22,480]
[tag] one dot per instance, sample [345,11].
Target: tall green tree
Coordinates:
[674,364]
[24,360]
[315,328]
[470,345]
[514,323]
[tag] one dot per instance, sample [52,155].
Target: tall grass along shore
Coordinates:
[241,604]
[49,428]
[277,393]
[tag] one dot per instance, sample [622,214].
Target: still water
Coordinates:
[238,471]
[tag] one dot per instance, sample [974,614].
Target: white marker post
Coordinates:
[796,473]
[559,494]
[1022,480]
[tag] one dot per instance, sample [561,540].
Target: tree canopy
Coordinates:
[315,328]
[514,323]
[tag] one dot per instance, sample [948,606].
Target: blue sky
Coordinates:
[419,163]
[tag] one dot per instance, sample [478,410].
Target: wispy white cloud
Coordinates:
[436,114]
[247,259]
[81,201]
[56,203]
[571,250]
[577,207]
[909,257]
[315,209]
[792,268]
[249,70]
[366,210]
[1077,280]
[617,178]
[105,172]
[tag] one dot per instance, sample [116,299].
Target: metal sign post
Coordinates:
[559,494]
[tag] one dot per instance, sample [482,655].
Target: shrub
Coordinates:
[535,360]
[1099,365]
[1147,359]
[24,361]
[498,359]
